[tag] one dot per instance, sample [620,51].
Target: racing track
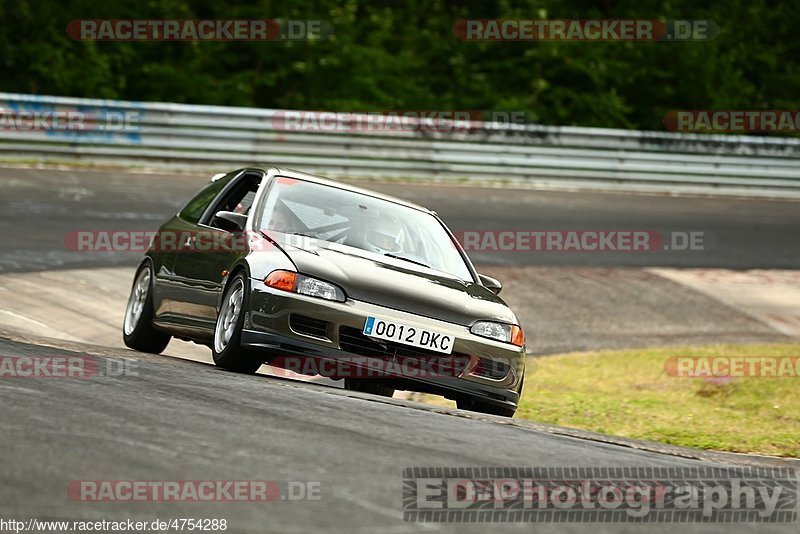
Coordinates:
[178,419]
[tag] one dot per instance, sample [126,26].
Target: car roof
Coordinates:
[300,175]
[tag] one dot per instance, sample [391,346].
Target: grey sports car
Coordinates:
[283,267]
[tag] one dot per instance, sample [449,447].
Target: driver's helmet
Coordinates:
[384,235]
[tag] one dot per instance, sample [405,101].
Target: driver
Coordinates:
[385,236]
[280,220]
[370,230]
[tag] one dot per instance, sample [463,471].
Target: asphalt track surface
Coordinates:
[173,419]
[38,207]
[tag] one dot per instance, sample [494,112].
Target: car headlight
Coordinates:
[507,333]
[304,285]
[317,288]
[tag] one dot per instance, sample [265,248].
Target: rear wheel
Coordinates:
[137,329]
[226,348]
[368,386]
[468,403]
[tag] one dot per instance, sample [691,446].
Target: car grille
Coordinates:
[492,369]
[309,326]
[352,340]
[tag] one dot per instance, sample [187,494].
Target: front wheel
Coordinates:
[138,332]
[226,348]
[468,403]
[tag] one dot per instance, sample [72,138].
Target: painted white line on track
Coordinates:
[23,318]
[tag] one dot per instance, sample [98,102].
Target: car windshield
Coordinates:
[363,222]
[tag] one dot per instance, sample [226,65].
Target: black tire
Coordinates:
[226,347]
[368,386]
[469,403]
[138,331]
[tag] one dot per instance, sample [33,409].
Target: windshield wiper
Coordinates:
[301,234]
[395,256]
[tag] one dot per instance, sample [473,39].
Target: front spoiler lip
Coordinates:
[288,346]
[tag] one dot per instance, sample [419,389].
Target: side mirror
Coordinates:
[229,221]
[492,284]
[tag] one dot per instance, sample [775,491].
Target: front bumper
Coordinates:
[268,328]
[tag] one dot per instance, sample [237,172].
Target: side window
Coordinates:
[240,197]
[197,206]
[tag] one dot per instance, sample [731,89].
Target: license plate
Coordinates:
[408,335]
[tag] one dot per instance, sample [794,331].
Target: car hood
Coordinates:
[400,285]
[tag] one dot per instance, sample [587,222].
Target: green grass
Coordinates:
[628,393]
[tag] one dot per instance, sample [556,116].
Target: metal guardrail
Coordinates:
[216,137]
